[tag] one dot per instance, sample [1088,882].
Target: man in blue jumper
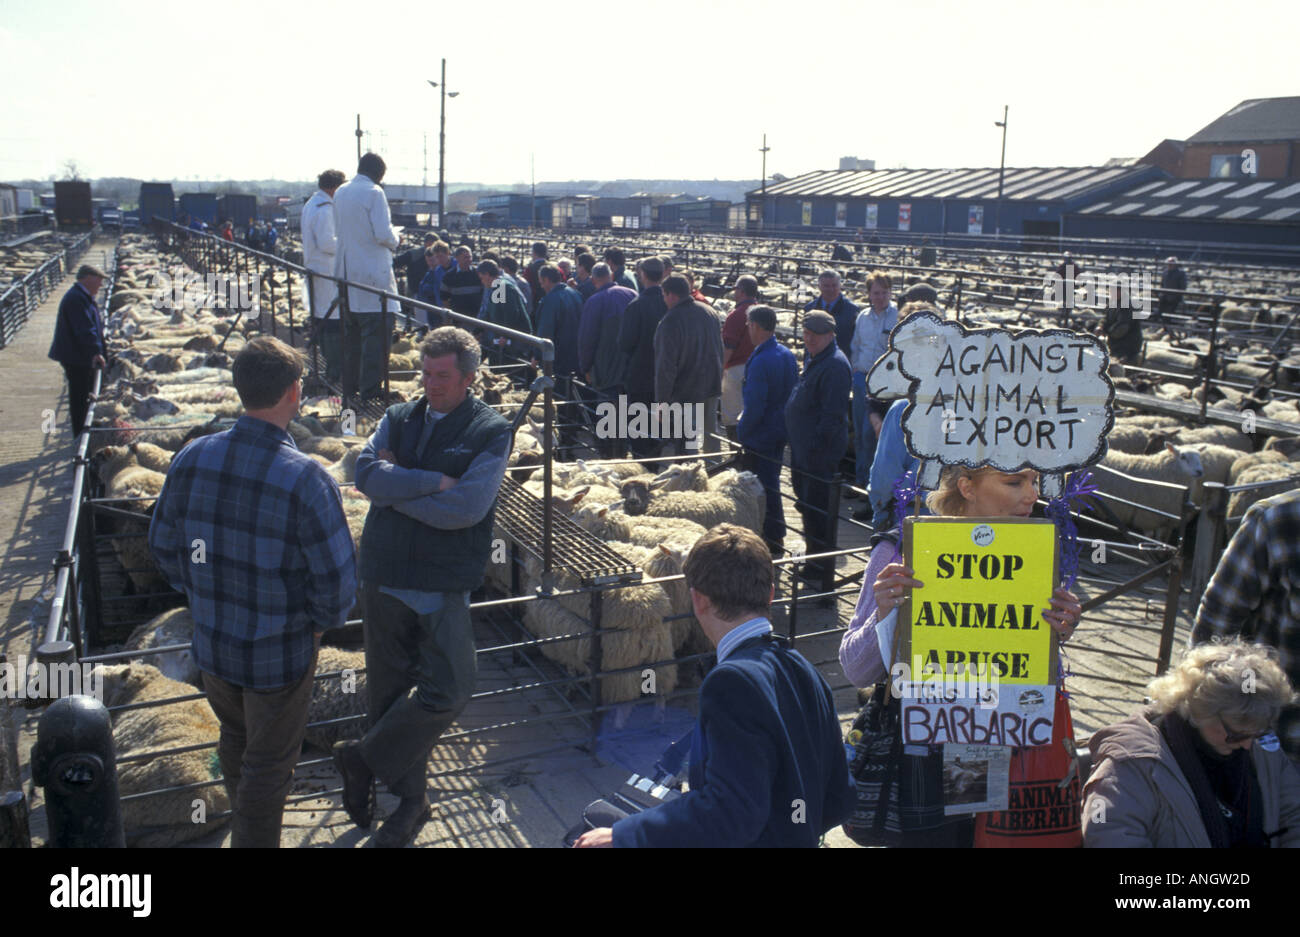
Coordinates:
[767,763]
[770,375]
[431,470]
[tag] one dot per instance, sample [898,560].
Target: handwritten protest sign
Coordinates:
[978,657]
[1032,399]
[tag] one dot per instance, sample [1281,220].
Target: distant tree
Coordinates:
[71,171]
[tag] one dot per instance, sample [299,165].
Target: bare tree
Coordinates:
[70,170]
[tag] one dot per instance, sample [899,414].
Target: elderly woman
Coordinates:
[1195,768]
[962,492]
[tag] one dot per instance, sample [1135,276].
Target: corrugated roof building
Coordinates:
[934,201]
[1224,211]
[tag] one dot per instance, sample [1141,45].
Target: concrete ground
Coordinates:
[539,776]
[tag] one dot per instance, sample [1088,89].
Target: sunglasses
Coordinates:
[1234,738]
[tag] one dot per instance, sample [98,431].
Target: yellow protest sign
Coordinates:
[978,657]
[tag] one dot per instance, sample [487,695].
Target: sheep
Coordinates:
[337,697]
[682,477]
[1216,462]
[333,448]
[164,362]
[165,819]
[1289,446]
[344,470]
[173,627]
[1284,475]
[1229,436]
[638,635]
[688,637]
[734,497]
[648,530]
[1282,410]
[1243,462]
[1164,358]
[1127,437]
[1122,474]
[134,481]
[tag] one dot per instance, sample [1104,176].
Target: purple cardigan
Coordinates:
[860,649]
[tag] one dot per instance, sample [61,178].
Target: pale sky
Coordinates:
[670,89]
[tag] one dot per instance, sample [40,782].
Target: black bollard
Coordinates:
[75,762]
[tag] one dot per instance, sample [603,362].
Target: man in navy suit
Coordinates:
[79,341]
[767,763]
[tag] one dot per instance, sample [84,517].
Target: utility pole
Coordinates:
[762,205]
[444,94]
[1002,167]
[358,138]
[424,183]
[532,173]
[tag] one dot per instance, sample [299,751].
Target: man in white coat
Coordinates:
[366,241]
[319,248]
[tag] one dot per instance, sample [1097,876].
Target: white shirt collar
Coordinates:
[742,633]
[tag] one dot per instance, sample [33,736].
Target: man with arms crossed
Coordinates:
[431,471]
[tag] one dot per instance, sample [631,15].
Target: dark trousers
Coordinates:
[261,739]
[420,674]
[329,338]
[644,447]
[766,464]
[365,339]
[608,441]
[813,496]
[80,382]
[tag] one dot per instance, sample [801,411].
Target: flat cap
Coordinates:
[818,322]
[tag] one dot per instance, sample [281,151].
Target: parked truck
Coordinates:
[239,210]
[201,206]
[156,200]
[73,207]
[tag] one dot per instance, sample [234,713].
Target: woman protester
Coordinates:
[962,492]
[1199,765]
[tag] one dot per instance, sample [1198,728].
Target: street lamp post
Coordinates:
[997,222]
[762,198]
[444,94]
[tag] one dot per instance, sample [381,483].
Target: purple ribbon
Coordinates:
[1077,486]
[905,490]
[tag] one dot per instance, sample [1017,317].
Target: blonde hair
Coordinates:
[1241,681]
[947,499]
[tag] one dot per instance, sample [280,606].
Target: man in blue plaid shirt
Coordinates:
[253,532]
[1255,591]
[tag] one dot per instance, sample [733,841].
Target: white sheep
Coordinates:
[338,696]
[169,628]
[1283,475]
[735,498]
[164,819]
[1123,475]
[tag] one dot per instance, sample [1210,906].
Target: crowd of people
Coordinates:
[1200,765]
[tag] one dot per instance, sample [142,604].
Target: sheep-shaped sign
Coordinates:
[1033,399]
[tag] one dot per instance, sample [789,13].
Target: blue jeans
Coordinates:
[864,436]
